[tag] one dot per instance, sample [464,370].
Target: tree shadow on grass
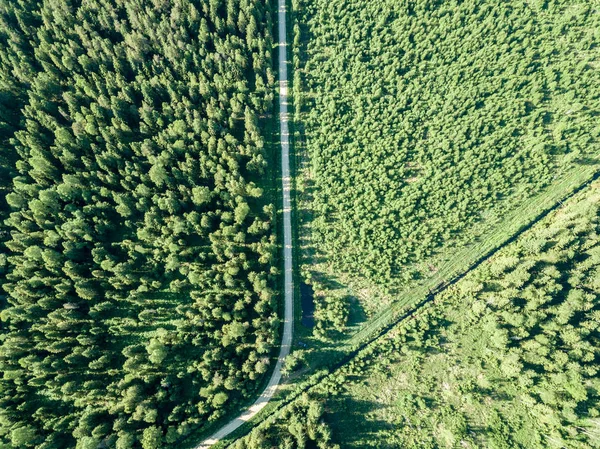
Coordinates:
[352,420]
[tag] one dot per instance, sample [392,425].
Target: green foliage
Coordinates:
[506,357]
[152,438]
[298,426]
[426,121]
[18,27]
[139,244]
[293,362]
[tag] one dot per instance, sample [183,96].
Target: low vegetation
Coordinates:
[425,122]
[140,251]
[506,358]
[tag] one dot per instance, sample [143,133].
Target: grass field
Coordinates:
[326,358]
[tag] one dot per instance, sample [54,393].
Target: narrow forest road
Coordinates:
[286,182]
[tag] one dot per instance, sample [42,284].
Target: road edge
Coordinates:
[286,181]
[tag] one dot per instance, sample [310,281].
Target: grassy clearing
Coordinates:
[403,390]
[326,360]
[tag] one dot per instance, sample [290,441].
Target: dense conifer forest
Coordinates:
[505,358]
[424,122]
[138,254]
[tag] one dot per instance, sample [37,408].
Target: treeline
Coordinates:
[427,121]
[506,358]
[140,249]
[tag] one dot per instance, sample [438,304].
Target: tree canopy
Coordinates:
[139,240]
